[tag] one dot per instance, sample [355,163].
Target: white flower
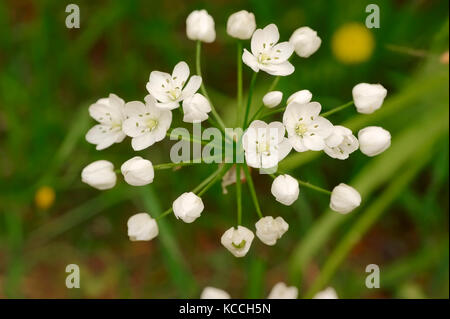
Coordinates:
[146,123]
[281,291]
[142,227]
[196,108]
[99,174]
[188,207]
[138,171]
[272,99]
[368,97]
[264,144]
[300,97]
[374,140]
[241,25]
[109,112]
[344,199]
[269,230]
[170,90]
[237,241]
[214,293]
[305,41]
[285,189]
[328,293]
[267,55]
[200,26]
[306,129]
[341,143]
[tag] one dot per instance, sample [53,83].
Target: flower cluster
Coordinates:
[303,127]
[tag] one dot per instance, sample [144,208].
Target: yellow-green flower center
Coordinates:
[301,129]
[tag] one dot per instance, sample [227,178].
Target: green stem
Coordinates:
[249,99]
[308,185]
[189,139]
[202,86]
[222,171]
[252,190]
[195,190]
[337,109]
[239,81]
[238,194]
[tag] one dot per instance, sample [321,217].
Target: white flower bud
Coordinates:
[269,230]
[305,41]
[328,293]
[138,171]
[237,241]
[196,108]
[214,293]
[344,199]
[272,99]
[241,25]
[142,227]
[368,97]
[281,291]
[285,189]
[374,140]
[300,97]
[188,207]
[99,174]
[200,26]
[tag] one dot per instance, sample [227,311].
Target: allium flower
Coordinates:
[200,26]
[264,144]
[237,241]
[285,189]
[305,41]
[300,97]
[368,97]
[138,171]
[267,55]
[170,90]
[341,143]
[109,112]
[241,25]
[344,199]
[328,293]
[99,174]
[141,227]
[196,108]
[374,140]
[188,207]
[281,291]
[146,124]
[214,293]
[306,129]
[269,230]
[272,99]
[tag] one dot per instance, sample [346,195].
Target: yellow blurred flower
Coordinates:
[353,43]
[44,197]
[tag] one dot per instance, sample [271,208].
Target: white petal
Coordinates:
[180,73]
[142,142]
[250,60]
[192,86]
[297,143]
[134,126]
[282,69]
[282,51]
[135,108]
[314,142]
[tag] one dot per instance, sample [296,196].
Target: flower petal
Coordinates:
[142,142]
[250,60]
[282,69]
[314,142]
[192,86]
[180,73]
[281,52]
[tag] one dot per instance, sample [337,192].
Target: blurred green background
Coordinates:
[49,75]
